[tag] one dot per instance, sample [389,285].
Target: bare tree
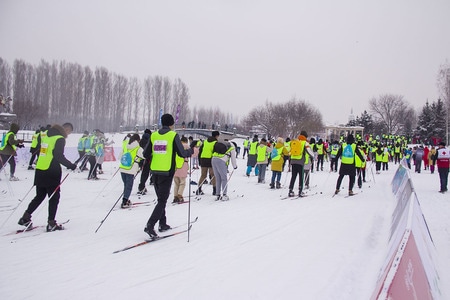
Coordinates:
[5,78]
[286,119]
[391,110]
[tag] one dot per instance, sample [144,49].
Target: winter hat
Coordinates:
[167,120]
[280,140]
[14,127]
[215,133]
[350,139]
[442,144]
[304,133]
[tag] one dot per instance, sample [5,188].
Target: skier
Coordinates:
[47,177]
[163,146]
[223,152]
[8,150]
[129,167]
[205,154]
[347,154]
[298,157]
[278,154]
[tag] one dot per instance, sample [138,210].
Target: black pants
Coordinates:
[41,193]
[34,153]
[320,162]
[145,173]
[162,185]
[296,170]
[93,163]
[443,178]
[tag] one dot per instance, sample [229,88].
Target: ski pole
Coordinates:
[189,198]
[4,164]
[50,197]
[15,208]
[115,203]
[226,185]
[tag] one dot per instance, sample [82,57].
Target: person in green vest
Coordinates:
[252,156]
[34,149]
[320,149]
[347,153]
[378,158]
[246,145]
[278,155]
[298,159]
[333,156]
[163,146]
[223,153]
[205,156]
[81,151]
[47,177]
[262,159]
[8,150]
[129,167]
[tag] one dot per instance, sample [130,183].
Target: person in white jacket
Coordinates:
[129,167]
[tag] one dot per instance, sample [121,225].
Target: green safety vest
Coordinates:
[253,147]
[320,149]
[34,140]
[162,151]
[5,141]
[207,150]
[348,154]
[262,153]
[46,151]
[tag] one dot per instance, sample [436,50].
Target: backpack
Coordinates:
[296,148]
[274,153]
[220,148]
[348,151]
[126,160]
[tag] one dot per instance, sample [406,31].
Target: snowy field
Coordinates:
[254,246]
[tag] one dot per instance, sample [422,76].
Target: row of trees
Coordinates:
[66,92]
[394,115]
[60,91]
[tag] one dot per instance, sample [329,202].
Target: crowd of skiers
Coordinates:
[164,157]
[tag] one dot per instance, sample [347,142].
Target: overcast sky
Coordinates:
[236,54]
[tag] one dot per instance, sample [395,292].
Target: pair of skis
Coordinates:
[148,241]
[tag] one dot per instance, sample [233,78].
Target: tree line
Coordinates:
[60,92]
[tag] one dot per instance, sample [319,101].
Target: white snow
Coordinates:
[253,247]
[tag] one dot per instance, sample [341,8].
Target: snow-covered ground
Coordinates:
[254,246]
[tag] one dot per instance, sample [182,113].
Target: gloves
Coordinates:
[20,146]
[73,167]
[235,167]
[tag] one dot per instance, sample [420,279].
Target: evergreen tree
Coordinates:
[438,122]
[424,124]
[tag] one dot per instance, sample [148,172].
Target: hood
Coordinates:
[57,130]
[14,128]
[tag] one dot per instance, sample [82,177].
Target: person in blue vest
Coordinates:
[163,146]
[347,154]
[47,177]
[8,150]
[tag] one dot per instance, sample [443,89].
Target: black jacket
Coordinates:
[52,176]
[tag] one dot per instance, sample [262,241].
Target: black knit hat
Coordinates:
[215,133]
[167,120]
